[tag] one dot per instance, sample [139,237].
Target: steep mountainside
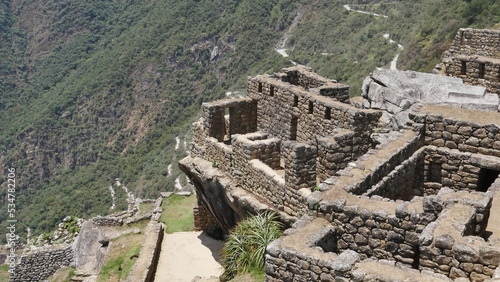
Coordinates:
[97,90]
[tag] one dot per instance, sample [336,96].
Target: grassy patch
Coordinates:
[63,274]
[178,213]
[253,275]
[4,272]
[120,258]
[145,207]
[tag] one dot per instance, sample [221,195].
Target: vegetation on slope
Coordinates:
[245,248]
[96,90]
[347,46]
[103,89]
[122,254]
[177,213]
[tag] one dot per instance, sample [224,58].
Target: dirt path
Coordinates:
[185,255]
[348,8]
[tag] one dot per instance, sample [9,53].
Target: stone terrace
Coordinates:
[475,57]
[416,207]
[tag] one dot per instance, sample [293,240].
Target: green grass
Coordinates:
[63,274]
[178,213]
[4,272]
[253,275]
[120,266]
[120,258]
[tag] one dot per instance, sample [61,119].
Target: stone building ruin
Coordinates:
[474,56]
[375,190]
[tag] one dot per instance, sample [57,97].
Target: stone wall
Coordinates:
[404,182]
[457,170]
[447,246]
[389,230]
[446,130]
[474,56]
[337,151]
[254,163]
[300,165]
[372,230]
[430,169]
[203,219]
[289,112]
[107,221]
[218,153]
[258,146]
[372,168]
[482,42]
[144,268]
[42,264]
[242,117]
[300,255]
[309,80]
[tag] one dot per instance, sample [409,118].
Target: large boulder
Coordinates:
[398,92]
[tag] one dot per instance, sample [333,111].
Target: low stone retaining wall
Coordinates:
[42,264]
[300,256]
[404,182]
[479,135]
[107,221]
[144,268]
[447,247]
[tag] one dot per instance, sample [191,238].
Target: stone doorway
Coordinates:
[486,178]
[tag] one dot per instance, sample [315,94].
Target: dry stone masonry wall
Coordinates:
[268,143]
[42,264]
[474,57]
[411,204]
[107,221]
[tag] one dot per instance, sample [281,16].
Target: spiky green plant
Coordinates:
[246,245]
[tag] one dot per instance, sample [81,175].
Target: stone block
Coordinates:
[444,241]
[465,253]
[489,256]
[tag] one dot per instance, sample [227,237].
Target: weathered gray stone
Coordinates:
[345,261]
[444,241]
[489,256]
[465,253]
[427,234]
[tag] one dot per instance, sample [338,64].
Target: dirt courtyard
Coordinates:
[186,255]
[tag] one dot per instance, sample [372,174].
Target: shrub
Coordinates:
[245,248]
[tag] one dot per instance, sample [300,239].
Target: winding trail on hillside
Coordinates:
[348,8]
[177,142]
[393,65]
[113,198]
[394,61]
[169,169]
[280,47]
[178,183]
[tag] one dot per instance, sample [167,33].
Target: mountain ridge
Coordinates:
[102,88]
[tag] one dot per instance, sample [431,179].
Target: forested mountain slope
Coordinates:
[96,90]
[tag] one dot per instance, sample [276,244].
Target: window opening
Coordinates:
[311,107]
[293,128]
[435,172]
[328,113]
[486,178]
[481,70]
